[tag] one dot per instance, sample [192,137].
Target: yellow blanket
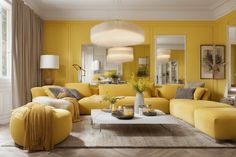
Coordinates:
[75,103]
[38,127]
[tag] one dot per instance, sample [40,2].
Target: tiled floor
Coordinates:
[16,152]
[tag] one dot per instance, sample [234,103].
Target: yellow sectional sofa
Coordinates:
[162,98]
[126,90]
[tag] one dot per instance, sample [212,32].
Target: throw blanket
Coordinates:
[61,104]
[75,103]
[38,126]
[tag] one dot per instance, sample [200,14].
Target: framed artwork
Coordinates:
[212,62]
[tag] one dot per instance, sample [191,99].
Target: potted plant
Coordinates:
[115,78]
[139,86]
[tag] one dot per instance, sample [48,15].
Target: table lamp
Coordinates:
[49,62]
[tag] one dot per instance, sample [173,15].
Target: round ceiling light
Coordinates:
[120,55]
[116,34]
[163,55]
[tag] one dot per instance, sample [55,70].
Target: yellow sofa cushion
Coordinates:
[219,123]
[117,90]
[82,88]
[184,108]
[199,92]
[124,90]
[169,91]
[92,102]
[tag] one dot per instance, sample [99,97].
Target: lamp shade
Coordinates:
[120,55]
[163,55]
[49,62]
[116,33]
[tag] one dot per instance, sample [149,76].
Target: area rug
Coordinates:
[182,135]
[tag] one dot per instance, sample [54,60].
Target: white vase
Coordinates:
[139,101]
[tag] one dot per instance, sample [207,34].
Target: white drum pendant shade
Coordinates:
[116,34]
[120,55]
[163,55]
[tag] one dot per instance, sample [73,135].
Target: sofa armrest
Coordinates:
[37,91]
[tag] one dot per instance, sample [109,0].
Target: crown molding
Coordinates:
[224,9]
[216,11]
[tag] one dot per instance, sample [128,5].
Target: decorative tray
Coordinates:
[120,115]
[106,110]
[151,113]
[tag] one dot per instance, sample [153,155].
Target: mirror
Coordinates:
[97,68]
[101,67]
[170,59]
[233,65]
[231,58]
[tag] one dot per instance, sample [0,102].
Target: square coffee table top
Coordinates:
[100,117]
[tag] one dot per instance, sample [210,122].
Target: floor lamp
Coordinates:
[81,72]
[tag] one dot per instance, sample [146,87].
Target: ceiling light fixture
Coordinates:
[116,33]
[120,55]
[163,55]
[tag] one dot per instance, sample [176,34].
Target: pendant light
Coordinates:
[120,55]
[116,33]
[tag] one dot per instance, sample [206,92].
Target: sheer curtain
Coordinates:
[26,50]
[5,61]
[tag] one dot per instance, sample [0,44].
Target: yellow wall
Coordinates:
[140,51]
[220,37]
[65,38]
[178,55]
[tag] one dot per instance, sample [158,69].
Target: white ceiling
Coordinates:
[170,42]
[132,9]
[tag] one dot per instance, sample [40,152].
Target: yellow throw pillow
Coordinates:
[207,95]
[156,92]
[199,92]
[147,93]
[169,91]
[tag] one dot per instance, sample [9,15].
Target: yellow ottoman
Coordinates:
[62,125]
[219,123]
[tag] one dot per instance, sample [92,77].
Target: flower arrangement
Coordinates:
[111,99]
[139,85]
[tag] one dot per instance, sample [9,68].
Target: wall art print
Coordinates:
[212,62]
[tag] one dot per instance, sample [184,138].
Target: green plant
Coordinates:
[139,85]
[111,99]
[142,71]
[114,76]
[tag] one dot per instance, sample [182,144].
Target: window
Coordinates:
[5,40]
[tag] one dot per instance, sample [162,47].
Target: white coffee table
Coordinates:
[99,117]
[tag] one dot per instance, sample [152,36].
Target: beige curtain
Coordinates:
[26,50]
